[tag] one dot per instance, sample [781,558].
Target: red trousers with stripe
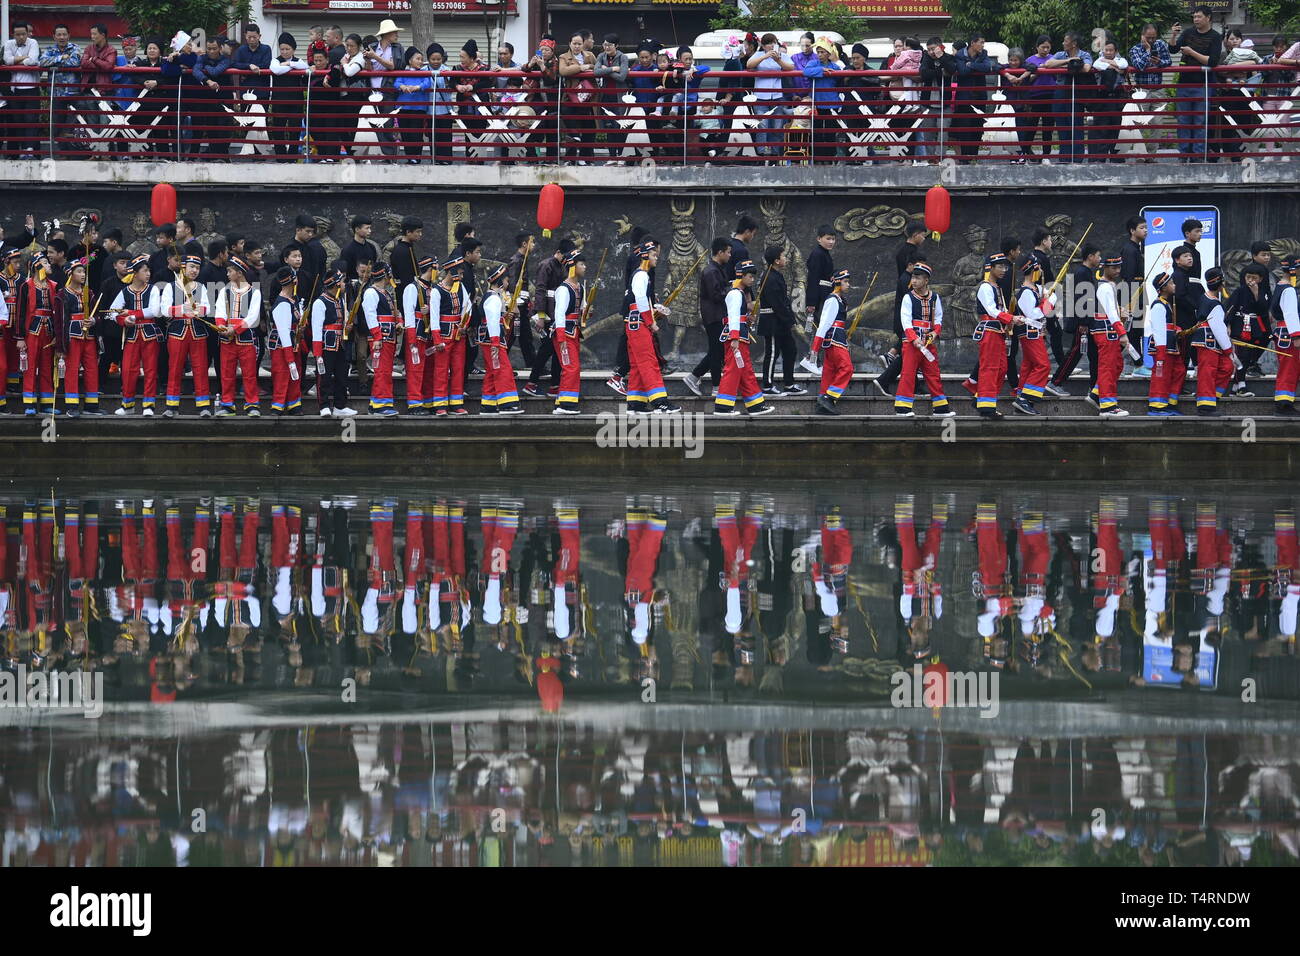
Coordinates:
[137,355]
[570,355]
[837,371]
[83,355]
[245,357]
[381,387]
[196,350]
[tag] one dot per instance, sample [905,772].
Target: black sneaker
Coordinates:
[764,409]
[795,389]
[1024,408]
[665,407]
[1285,408]
[992,416]
[826,406]
[772,390]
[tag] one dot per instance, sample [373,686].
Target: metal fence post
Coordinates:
[306,123]
[179,84]
[559,135]
[51,124]
[1205,113]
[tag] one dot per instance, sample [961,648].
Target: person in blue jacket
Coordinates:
[973,69]
[827,98]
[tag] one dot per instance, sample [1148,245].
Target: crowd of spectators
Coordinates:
[1202,93]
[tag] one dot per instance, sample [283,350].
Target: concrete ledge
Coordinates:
[658,177]
[777,446]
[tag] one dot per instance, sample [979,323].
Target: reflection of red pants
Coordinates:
[142,353]
[286,392]
[1035,369]
[913,361]
[381,387]
[1213,373]
[196,350]
[1110,363]
[738,380]
[498,378]
[245,356]
[82,354]
[1288,372]
[570,356]
[38,380]
[837,371]
[993,370]
[1167,375]
[645,383]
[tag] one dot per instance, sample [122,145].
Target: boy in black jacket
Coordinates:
[776,323]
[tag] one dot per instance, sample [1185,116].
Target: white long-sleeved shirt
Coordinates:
[734,300]
[410,303]
[830,308]
[641,293]
[1158,318]
[318,318]
[173,295]
[987,294]
[370,308]
[1027,298]
[1290,309]
[563,299]
[905,314]
[281,67]
[253,315]
[282,316]
[4,312]
[153,302]
[1108,304]
[1215,320]
[493,308]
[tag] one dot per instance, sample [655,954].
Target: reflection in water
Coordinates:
[542,793]
[811,595]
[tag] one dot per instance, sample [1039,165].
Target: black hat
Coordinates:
[1031,264]
[646,248]
[1116,262]
[996,259]
[380,270]
[923,269]
[286,39]
[495,275]
[649,44]
[238,263]
[13,252]
[410,224]
[746,267]
[192,261]
[841,276]
[1290,265]
[1161,280]
[859,49]
[286,276]
[426,263]
[1213,278]
[303,221]
[470,47]
[573,257]
[410,52]
[433,48]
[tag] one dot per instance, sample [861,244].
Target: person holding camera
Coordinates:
[384,53]
[973,69]
[770,58]
[938,67]
[1072,90]
[1202,49]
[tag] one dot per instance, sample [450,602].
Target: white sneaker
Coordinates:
[148,413]
[344,412]
[692,383]
[326,412]
[121,412]
[564,410]
[1114,412]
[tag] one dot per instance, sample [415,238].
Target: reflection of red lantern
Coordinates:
[934,683]
[550,208]
[550,689]
[938,210]
[162,206]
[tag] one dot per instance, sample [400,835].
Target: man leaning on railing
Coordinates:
[62,59]
[21,135]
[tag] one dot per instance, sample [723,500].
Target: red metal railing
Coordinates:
[719,117]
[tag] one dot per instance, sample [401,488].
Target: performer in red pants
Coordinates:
[82,347]
[384,329]
[1216,359]
[1167,371]
[645,533]
[136,308]
[739,383]
[37,338]
[567,337]
[832,337]
[186,308]
[645,383]
[500,394]
[1109,330]
[993,326]
[921,315]
[1033,308]
[424,371]
[286,377]
[1285,311]
[238,314]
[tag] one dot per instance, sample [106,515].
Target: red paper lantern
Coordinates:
[550,208]
[162,205]
[938,210]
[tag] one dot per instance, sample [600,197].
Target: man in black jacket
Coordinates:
[776,323]
[1079,297]
[938,67]
[973,69]
[820,269]
[715,282]
[1132,274]
[1188,293]
[746,230]
[403,257]
[550,276]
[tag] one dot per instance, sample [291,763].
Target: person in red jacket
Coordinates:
[38,300]
[81,343]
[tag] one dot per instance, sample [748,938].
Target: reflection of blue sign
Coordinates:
[1158,665]
[1165,233]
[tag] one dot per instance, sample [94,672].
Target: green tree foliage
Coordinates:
[816,15]
[1019,22]
[162,18]
[1281,15]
